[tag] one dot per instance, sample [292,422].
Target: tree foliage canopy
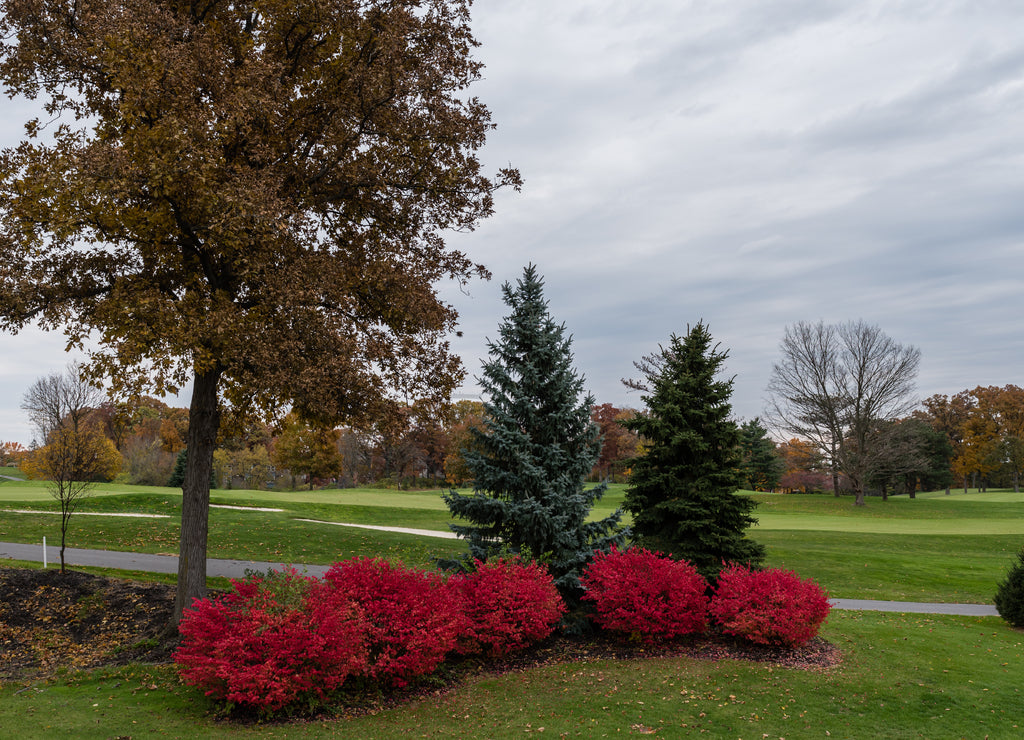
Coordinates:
[256,188]
[247,195]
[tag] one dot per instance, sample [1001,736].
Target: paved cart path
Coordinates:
[237,568]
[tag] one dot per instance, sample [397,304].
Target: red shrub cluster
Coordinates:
[412,623]
[284,638]
[771,607]
[508,604]
[272,642]
[646,595]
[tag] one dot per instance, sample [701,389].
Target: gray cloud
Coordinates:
[752,164]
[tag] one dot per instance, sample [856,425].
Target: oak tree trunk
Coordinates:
[203,424]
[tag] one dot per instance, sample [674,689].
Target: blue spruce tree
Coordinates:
[538,445]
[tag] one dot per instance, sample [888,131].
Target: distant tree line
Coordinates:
[972,439]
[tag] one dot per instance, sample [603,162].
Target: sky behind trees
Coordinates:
[751,164]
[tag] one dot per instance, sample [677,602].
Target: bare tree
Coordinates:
[832,386]
[61,400]
[804,398]
[650,367]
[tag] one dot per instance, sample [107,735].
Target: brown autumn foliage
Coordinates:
[250,197]
[618,444]
[466,416]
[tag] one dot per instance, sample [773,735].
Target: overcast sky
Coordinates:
[752,164]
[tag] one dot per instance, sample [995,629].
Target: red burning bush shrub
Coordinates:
[645,595]
[770,607]
[412,622]
[274,640]
[507,605]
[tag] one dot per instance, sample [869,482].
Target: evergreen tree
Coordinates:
[177,479]
[178,474]
[536,446]
[760,465]
[682,492]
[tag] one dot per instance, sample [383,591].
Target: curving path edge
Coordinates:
[236,569]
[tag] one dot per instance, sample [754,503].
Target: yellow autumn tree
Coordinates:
[73,461]
[310,450]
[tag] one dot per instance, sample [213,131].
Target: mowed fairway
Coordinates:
[933,548]
[244,525]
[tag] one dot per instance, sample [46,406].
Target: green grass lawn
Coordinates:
[903,675]
[9,472]
[933,548]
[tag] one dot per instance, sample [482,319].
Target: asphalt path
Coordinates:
[139,561]
[236,569]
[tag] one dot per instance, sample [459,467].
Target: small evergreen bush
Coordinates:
[770,607]
[274,641]
[645,595]
[412,622]
[507,604]
[1010,593]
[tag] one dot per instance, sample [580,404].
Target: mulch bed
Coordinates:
[52,622]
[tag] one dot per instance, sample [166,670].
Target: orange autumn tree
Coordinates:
[805,467]
[11,453]
[618,444]
[949,414]
[993,435]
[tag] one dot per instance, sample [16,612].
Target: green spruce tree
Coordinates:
[760,465]
[177,479]
[537,445]
[682,492]
[178,474]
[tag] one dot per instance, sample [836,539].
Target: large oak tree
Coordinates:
[247,196]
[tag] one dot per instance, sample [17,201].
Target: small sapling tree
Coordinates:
[73,461]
